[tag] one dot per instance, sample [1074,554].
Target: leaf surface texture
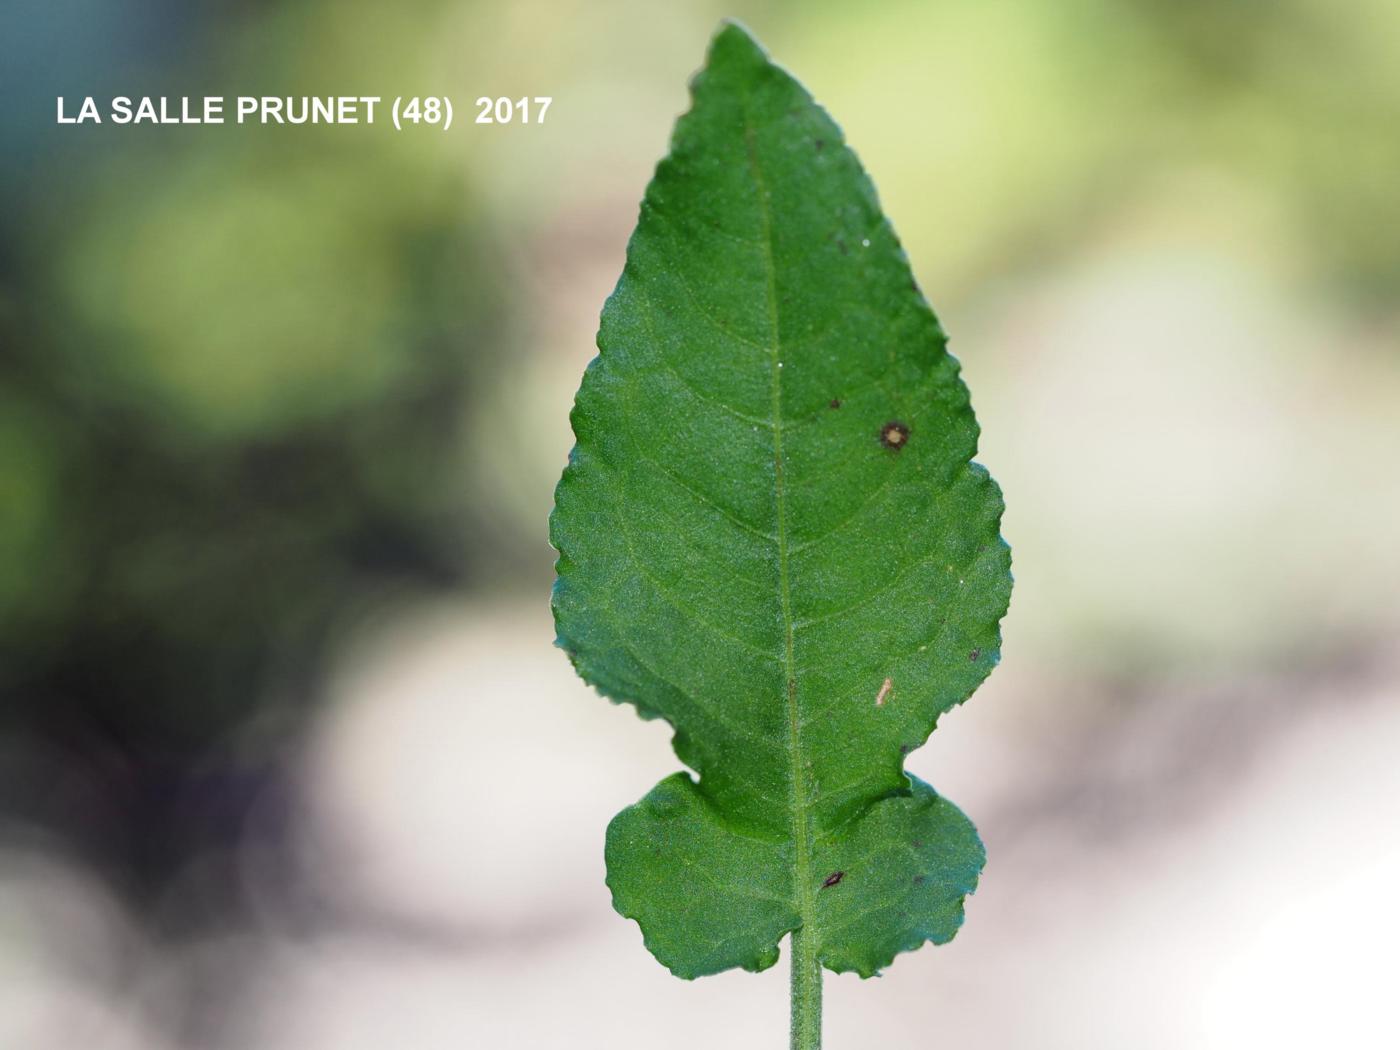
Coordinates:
[772,535]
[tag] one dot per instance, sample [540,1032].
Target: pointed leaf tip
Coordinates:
[733,35]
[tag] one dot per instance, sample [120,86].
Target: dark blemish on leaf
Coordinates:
[894,434]
[919,880]
[833,879]
[917,845]
[820,144]
[842,245]
[835,402]
[972,656]
[904,749]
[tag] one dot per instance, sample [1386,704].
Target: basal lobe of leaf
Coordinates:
[771,535]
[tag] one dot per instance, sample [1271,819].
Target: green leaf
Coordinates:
[771,535]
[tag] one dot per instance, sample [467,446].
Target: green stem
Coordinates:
[806,992]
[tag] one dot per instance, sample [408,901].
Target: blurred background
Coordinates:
[286,757]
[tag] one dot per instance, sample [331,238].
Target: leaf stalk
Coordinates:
[806,991]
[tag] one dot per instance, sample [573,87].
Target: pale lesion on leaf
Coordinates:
[884,694]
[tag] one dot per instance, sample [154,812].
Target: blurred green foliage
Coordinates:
[234,375]
[1036,122]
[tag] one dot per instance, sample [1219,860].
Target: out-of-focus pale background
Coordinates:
[287,761]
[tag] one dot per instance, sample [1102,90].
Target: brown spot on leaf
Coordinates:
[833,879]
[894,434]
[919,880]
[972,656]
[835,402]
[820,144]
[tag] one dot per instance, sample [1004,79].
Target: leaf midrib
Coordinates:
[797,779]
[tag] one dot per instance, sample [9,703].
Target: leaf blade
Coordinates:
[771,533]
